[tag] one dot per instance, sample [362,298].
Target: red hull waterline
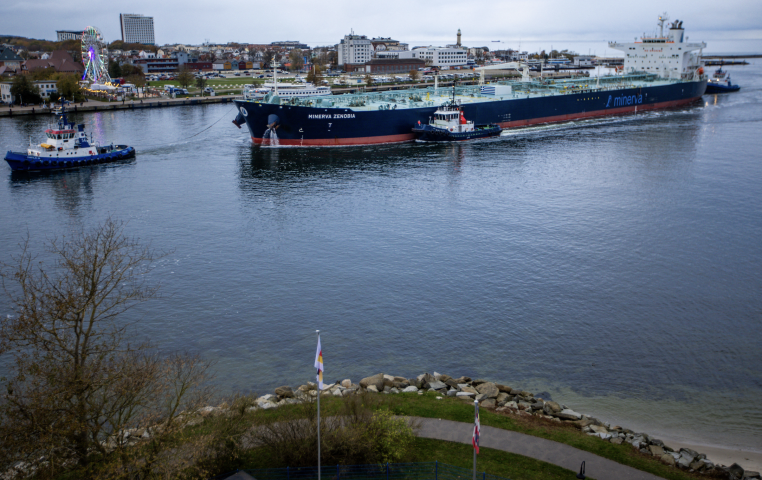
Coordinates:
[519,123]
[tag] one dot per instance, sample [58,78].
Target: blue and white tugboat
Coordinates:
[66,146]
[450,125]
[720,82]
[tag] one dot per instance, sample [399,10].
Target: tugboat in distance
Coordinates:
[66,147]
[450,125]
[720,82]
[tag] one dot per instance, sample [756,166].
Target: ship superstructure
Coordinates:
[668,55]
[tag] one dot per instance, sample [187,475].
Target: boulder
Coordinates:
[552,407]
[751,475]
[463,379]
[513,405]
[444,378]
[465,394]
[452,392]
[437,375]
[656,450]
[567,414]
[284,392]
[411,388]
[684,461]
[668,459]
[488,403]
[451,383]
[617,440]
[372,388]
[598,429]
[389,377]
[463,387]
[536,405]
[503,388]
[525,405]
[489,389]
[481,397]
[478,382]
[436,385]
[376,381]
[346,383]
[399,379]
[735,470]
[401,385]
[394,390]
[336,392]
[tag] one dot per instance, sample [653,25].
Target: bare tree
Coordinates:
[184,77]
[415,75]
[78,379]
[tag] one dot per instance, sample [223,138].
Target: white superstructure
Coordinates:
[443,57]
[285,90]
[669,56]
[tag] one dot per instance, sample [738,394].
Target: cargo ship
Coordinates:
[659,72]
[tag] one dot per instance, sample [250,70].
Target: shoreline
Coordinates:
[734,464]
[96,106]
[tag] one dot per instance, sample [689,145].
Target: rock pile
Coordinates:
[507,400]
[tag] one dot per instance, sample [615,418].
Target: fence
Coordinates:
[389,471]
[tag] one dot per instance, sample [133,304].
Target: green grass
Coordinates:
[461,411]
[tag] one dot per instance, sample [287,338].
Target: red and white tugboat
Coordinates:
[66,146]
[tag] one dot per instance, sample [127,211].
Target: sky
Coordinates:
[728,26]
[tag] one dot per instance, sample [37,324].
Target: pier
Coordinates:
[98,106]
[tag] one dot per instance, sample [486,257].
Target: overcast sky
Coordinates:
[727,26]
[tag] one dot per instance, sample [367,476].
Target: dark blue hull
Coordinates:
[301,125]
[715,88]
[21,162]
[428,133]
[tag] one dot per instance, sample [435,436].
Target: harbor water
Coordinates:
[613,264]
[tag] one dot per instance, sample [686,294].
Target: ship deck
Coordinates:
[464,95]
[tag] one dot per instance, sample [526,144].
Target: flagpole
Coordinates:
[476,415]
[318,414]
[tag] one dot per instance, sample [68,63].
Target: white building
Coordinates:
[354,49]
[46,87]
[136,28]
[62,35]
[442,57]
[668,56]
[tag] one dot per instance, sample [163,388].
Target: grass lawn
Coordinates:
[412,404]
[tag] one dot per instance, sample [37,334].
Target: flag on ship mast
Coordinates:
[319,365]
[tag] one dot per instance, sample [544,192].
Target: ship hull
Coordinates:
[309,126]
[21,162]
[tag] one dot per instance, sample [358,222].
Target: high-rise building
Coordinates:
[354,49]
[136,28]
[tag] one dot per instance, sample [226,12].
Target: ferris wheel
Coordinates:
[94,56]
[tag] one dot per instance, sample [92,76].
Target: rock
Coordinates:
[598,429]
[439,398]
[537,405]
[437,385]
[684,461]
[668,459]
[604,436]
[750,474]
[465,394]
[503,388]
[346,383]
[700,465]
[552,407]
[656,450]
[452,392]
[478,382]
[337,393]
[481,397]
[657,442]
[687,451]
[437,375]
[372,388]
[444,378]
[467,388]
[617,440]
[451,383]
[502,397]
[463,379]
[409,389]
[387,389]
[284,392]
[399,379]
[393,390]
[735,470]
[488,403]
[389,378]
[401,385]
[376,381]
[567,414]
[489,389]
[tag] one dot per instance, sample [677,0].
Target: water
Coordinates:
[614,264]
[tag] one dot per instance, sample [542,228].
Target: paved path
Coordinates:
[534,447]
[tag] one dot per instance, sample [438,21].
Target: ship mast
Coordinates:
[662,18]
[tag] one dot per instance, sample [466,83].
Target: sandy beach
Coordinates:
[749,460]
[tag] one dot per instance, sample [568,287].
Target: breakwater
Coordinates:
[505,400]
[127,105]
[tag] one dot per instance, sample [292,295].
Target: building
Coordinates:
[62,35]
[46,88]
[171,64]
[136,28]
[10,59]
[60,60]
[290,45]
[584,60]
[442,57]
[381,44]
[384,66]
[354,50]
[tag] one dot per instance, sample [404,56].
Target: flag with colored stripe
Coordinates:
[319,365]
[477,431]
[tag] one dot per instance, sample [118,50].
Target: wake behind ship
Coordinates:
[659,72]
